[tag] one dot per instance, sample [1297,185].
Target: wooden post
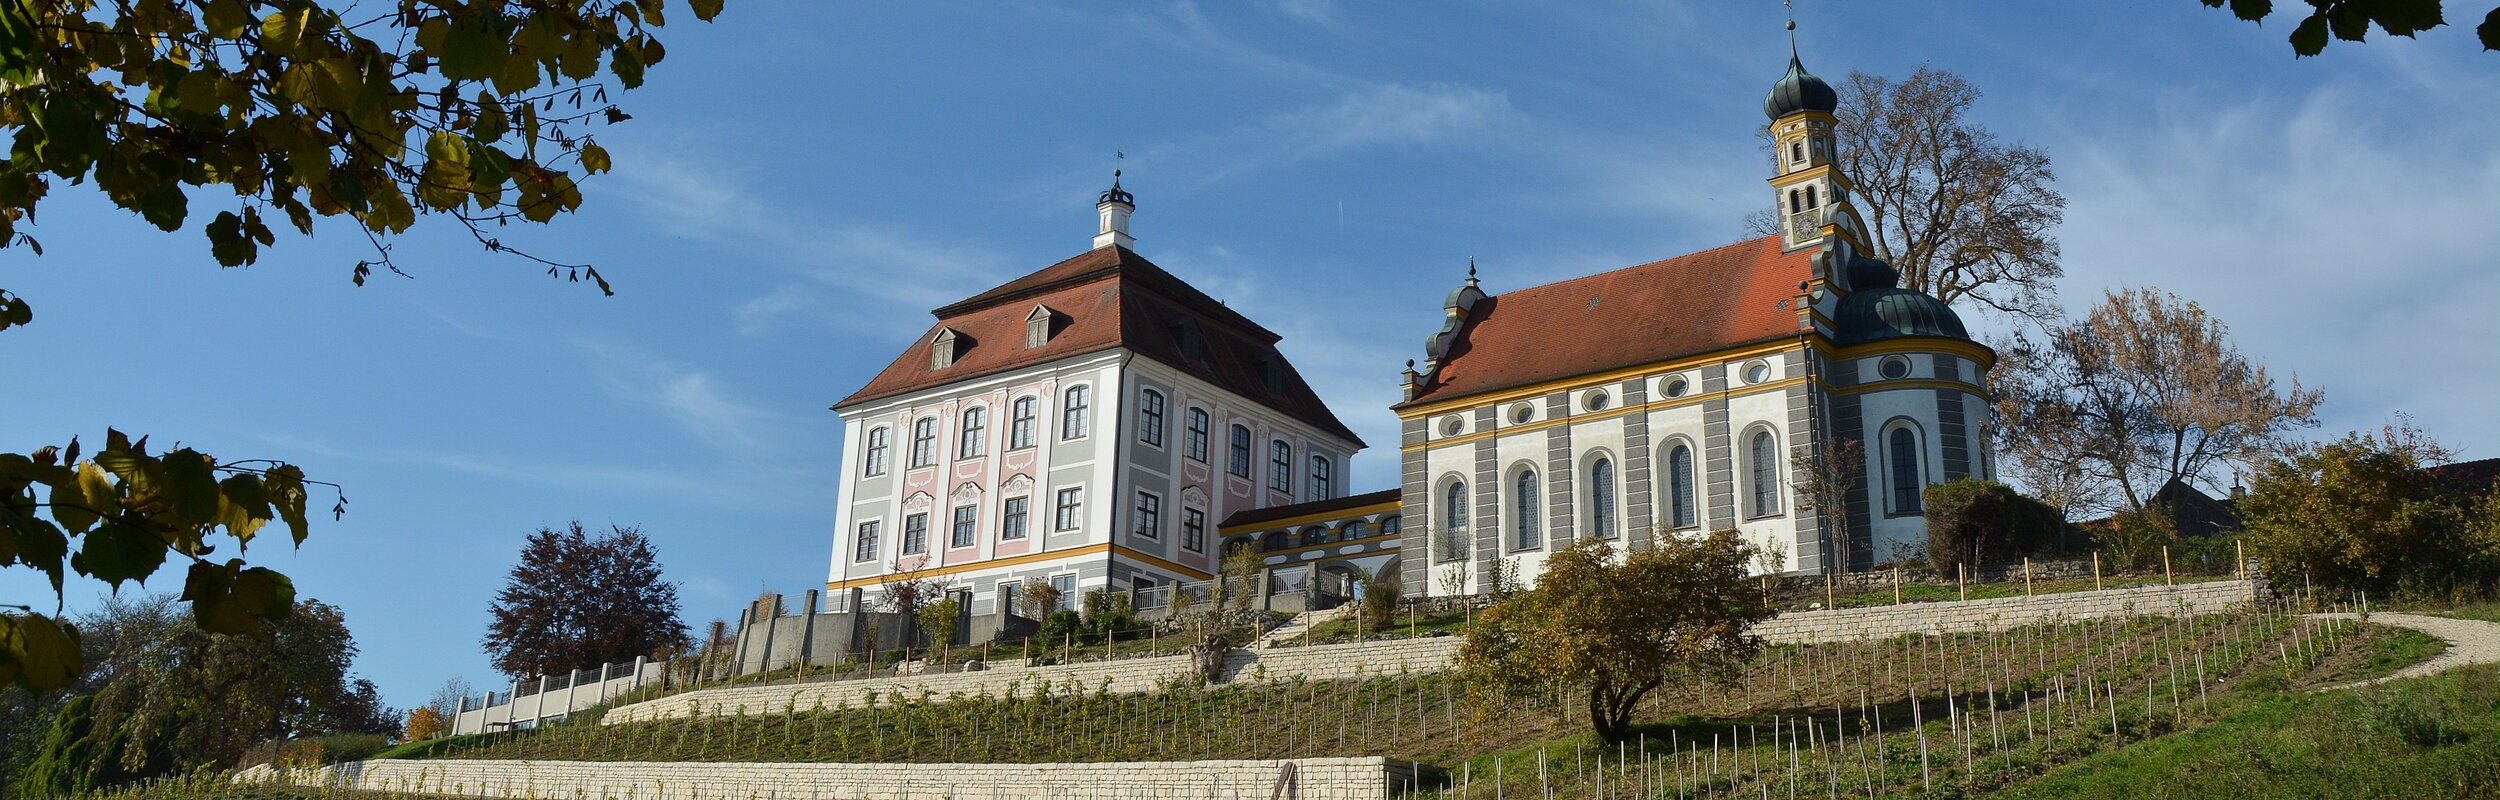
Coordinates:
[1828,601]
[1896,584]
[2165,567]
[2096,570]
[1410,620]
[2027,576]
[2241,545]
[1961,579]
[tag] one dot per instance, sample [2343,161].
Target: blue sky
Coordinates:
[801,182]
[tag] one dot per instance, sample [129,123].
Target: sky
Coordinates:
[801,182]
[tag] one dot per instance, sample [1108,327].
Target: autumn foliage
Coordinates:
[577,601]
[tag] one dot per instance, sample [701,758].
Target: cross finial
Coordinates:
[1790,7]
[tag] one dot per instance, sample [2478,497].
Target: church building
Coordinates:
[1084,424]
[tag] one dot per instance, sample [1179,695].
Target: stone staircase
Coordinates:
[1301,623]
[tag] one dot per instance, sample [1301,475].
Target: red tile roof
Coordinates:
[1106,298]
[1696,303]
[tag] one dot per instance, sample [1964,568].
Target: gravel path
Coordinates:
[2470,641]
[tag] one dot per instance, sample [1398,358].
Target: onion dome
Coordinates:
[1115,194]
[1799,91]
[1876,309]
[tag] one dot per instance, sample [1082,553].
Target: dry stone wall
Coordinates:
[1366,659]
[1370,778]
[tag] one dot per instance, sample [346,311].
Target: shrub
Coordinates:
[1057,626]
[2134,539]
[423,723]
[1107,612]
[2361,513]
[940,620]
[1982,522]
[1380,600]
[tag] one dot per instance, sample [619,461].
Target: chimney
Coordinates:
[1115,204]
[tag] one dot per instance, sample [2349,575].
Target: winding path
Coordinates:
[2470,641]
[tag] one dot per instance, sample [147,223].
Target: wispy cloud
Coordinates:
[781,492]
[688,396]
[879,260]
[2339,242]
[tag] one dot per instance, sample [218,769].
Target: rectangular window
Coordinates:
[1280,466]
[1072,413]
[1020,424]
[864,546]
[1070,512]
[1150,418]
[1323,477]
[874,464]
[1198,435]
[924,442]
[1066,586]
[1239,463]
[1194,530]
[915,534]
[1012,525]
[967,518]
[1149,515]
[973,439]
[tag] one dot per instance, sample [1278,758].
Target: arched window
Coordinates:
[1795,201]
[1602,498]
[1314,535]
[1275,541]
[1239,461]
[1150,417]
[1352,530]
[1072,413]
[1762,463]
[1529,536]
[1020,423]
[1323,476]
[874,462]
[1906,484]
[1681,512]
[1810,204]
[1390,526]
[1280,466]
[1454,521]
[969,441]
[924,442]
[1197,436]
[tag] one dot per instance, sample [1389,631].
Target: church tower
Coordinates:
[1811,193]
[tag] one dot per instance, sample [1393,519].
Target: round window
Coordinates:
[1451,425]
[1522,413]
[1895,368]
[1676,387]
[1596,402]
[1757,372]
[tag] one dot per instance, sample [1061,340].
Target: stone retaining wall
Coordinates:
[1391,657]
[1875,622]
[1369,778]
[1128,676]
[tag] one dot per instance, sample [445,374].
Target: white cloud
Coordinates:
[690,397]
[857,259]
[2338,241]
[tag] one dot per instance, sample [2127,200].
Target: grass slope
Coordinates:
[2427,737]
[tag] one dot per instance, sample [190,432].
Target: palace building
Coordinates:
[1084,424]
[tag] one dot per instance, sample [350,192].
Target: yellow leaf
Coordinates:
[594,158]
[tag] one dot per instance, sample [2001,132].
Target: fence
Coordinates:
[550,698]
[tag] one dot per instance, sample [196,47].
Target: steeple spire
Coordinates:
[1471,270]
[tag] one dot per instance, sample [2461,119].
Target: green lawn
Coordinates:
[2427,737]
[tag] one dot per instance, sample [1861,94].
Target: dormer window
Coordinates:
[1038,326]
[948,346]
[1191,339]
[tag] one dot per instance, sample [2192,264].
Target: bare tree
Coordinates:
[2145,390]
[1963,215]
[1824,477]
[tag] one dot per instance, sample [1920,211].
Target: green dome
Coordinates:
[1890,312]
[1799,91]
